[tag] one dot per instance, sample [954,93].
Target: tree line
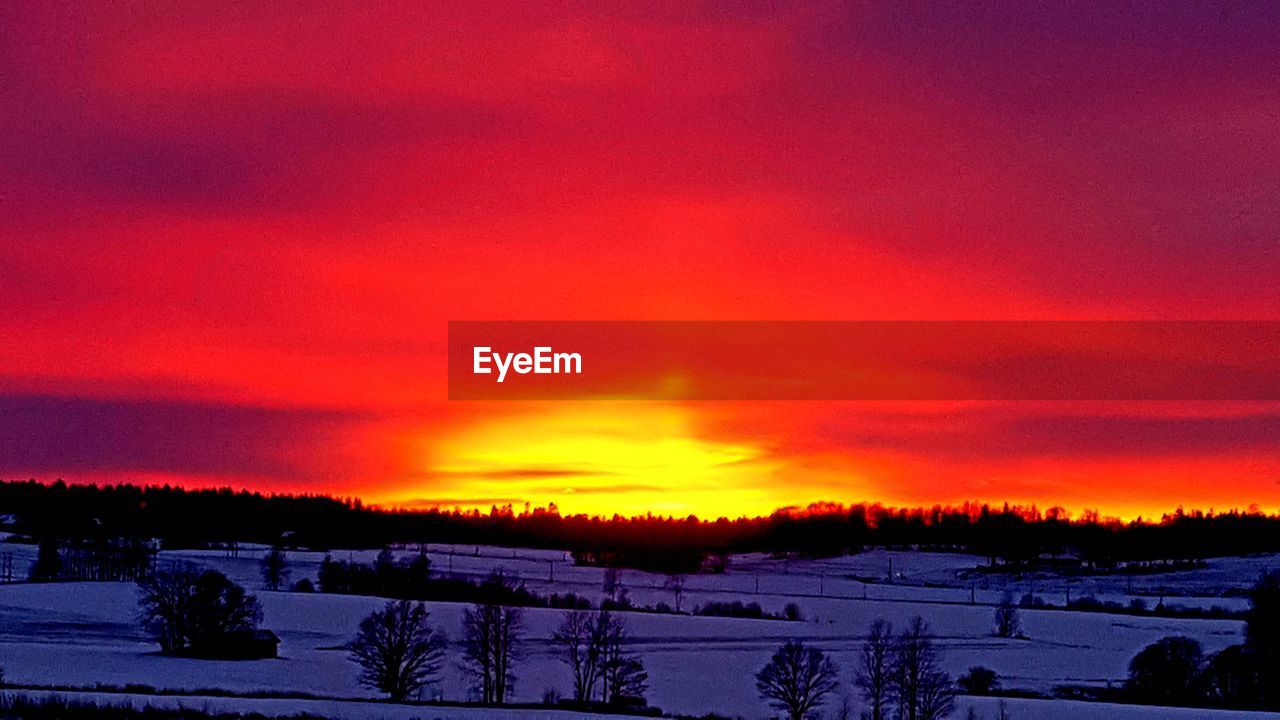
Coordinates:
[1176,671]
[1009,536]
[411,578]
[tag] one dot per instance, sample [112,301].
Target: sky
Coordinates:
[232,235]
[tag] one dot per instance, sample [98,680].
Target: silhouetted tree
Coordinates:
[797,679]
[186,608]
[490,635]
[627,681]
[48,564]
[1232,677]
[384,566]
[1007,622]
[612,583]
[593,645]
[581,649]
[397,650]
[875,674]
[675,583]
[922,689]
[275,568]
[624,677]
[1165,671]
[979,681]
[1262,636]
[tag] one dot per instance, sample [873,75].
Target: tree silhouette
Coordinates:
[875,675]
[923,689]
[1262,635]
[1166,671]
[491,633]
[979,681]
[1007,622]
[797,679]
[48,564]
[581,649]
[1232,677]
[675,583]
[275,568]
[623,675]
[397,650]
[186,608]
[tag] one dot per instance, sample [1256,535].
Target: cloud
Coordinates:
[452,502]
[531,473]
[995,433]
[252,213]
[65,436]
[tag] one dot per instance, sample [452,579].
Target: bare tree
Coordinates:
[275,568]
[398,652]
[581,649]
[675,583]
[185,608]
[924,691]
[164,605]
[627,680]
[797,679]
[491,633]
[624,677]
[612,583]
[876,672]
[594,645]
[48,564]
[1007,623]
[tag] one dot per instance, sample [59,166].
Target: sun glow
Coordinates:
[600,459]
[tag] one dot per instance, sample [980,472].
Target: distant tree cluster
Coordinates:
[1175,670]
[190,610]
[98,559]
[739,609]
[17,706]
[899,676]
[1010,536]
[411,579]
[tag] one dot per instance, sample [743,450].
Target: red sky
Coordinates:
[231,236]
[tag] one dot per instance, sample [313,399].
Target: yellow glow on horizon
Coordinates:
[600,459]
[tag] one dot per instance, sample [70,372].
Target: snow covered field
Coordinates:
[81,634]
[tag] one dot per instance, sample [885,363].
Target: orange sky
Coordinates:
[231,237]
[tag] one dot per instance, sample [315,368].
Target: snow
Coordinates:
[352,710]
[82,634]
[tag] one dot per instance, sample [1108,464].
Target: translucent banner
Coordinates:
[865,360]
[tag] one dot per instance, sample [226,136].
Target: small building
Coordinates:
[239,645]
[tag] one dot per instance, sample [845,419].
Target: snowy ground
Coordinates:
[81,634]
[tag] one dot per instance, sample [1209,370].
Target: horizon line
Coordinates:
[1033,511]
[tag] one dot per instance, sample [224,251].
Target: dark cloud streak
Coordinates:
[62,435]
